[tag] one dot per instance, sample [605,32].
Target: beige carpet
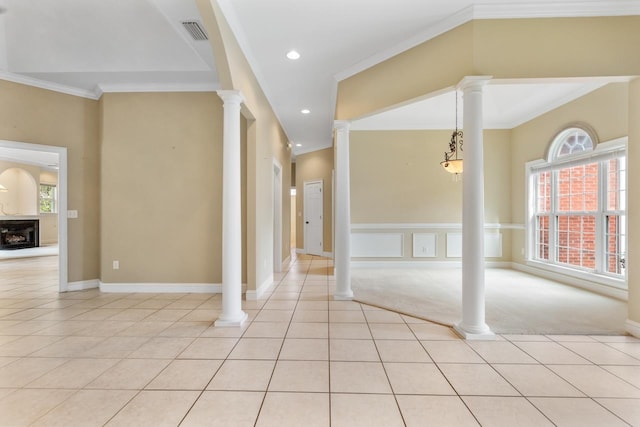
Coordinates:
[516,302]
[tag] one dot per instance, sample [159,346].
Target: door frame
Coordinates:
[277,216]
[304,213]
[63,273]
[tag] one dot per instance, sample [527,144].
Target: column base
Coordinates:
[347,296]
[230,322]
[476,333]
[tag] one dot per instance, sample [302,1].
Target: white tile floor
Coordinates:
[92,359]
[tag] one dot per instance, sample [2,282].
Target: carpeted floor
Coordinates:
[516,302]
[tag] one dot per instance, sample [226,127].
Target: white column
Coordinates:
[342,244]
[473,295]
[232,314]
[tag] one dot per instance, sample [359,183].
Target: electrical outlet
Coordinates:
[116,265]
[72,214]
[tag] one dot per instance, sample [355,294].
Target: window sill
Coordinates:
[593,278]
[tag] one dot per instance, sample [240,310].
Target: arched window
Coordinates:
[570,141]
[578,204]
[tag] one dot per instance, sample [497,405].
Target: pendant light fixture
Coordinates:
[452,163]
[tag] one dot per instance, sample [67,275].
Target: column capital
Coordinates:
[342,125]
[231,96]
[473,82]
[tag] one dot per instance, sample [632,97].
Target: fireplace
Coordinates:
[19,233]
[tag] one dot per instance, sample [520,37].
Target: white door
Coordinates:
[313,217]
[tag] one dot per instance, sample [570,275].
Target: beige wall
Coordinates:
[605,110]
[502,48]
[396,177]
[315,166]
[161,187]
[44,117]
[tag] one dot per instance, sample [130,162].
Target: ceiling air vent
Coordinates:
[195,29]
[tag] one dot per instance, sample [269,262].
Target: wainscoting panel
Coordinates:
[377,245]
[492,245]
[424,245]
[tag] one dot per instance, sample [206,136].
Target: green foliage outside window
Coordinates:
[47,198]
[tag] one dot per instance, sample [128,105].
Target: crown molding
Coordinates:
[157,87]
[107,87]
[42,84]
[562,9]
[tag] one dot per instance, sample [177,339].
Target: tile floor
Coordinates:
[92,359]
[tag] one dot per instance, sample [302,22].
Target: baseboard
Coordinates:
[327,254]
[286,262]
[300,251]
[605,290]
[162,288]
[633,328]
[82,285]
[423,264]
[258,293]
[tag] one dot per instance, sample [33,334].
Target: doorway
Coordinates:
[46,156]
[313,217]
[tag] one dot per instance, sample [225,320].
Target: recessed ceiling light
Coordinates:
[293,55]
[305,111]
[298,145]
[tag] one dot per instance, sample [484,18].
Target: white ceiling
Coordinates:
[87,47]
[96,46]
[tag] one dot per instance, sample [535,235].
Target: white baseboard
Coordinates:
[286,262]
[258,293]
[605,290]
[300,251]
[162,288]
[327,254]
[422,264]
[633,328]
[83,284]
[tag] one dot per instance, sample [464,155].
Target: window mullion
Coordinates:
[601,228]
[553,252]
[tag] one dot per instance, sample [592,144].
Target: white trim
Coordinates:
[327,254]
[558,9]
[276,209]
[423,264]
[83,284]
[155,87]
[55,87]
[166,288]
[108,87]
[63,255]
[252,295]
[633,328]
[427,225]
[300,251]
[578,282]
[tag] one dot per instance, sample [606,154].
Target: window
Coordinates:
[48,198]
[577,202]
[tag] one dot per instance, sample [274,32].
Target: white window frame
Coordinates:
[602,152]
